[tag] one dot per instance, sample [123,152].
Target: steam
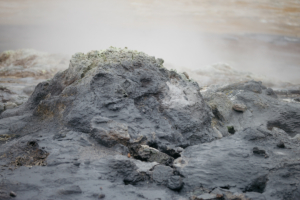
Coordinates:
[72,26]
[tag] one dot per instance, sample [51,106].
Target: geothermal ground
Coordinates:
[117,124]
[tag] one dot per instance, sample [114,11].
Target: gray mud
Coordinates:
[118,125]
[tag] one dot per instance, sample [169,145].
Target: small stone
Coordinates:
[239,107]
[260,152]
[161,174]
[101,196]
[12,194]
[280,144]
[175,183]
[186,75]
[153,155]
[113,133]
[270,92]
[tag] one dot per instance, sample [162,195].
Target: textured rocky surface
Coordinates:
[118,125]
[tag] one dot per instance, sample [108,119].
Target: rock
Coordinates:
[252,134]
[101,196]
[297,99]
[109,133]
[270,92]
[162,174]
[74,189]
[153,155]
[144,167]
[180,162]
[280,144]
[220,104]
[175,183]
[171,150]
[186,75]
[12,194]
[254,86]
[258,151]
[258,185]
[217,134]
[90,97]
[239,107]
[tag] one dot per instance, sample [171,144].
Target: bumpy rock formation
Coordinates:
[118,125]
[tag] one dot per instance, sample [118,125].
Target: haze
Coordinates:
[261,37]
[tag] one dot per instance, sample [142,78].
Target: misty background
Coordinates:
[256,39]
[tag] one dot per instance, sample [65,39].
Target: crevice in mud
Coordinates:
[231,129]
[172,153]
[153,144]
[227,187]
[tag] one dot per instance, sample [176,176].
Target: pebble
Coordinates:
[239,107]
[12,194]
